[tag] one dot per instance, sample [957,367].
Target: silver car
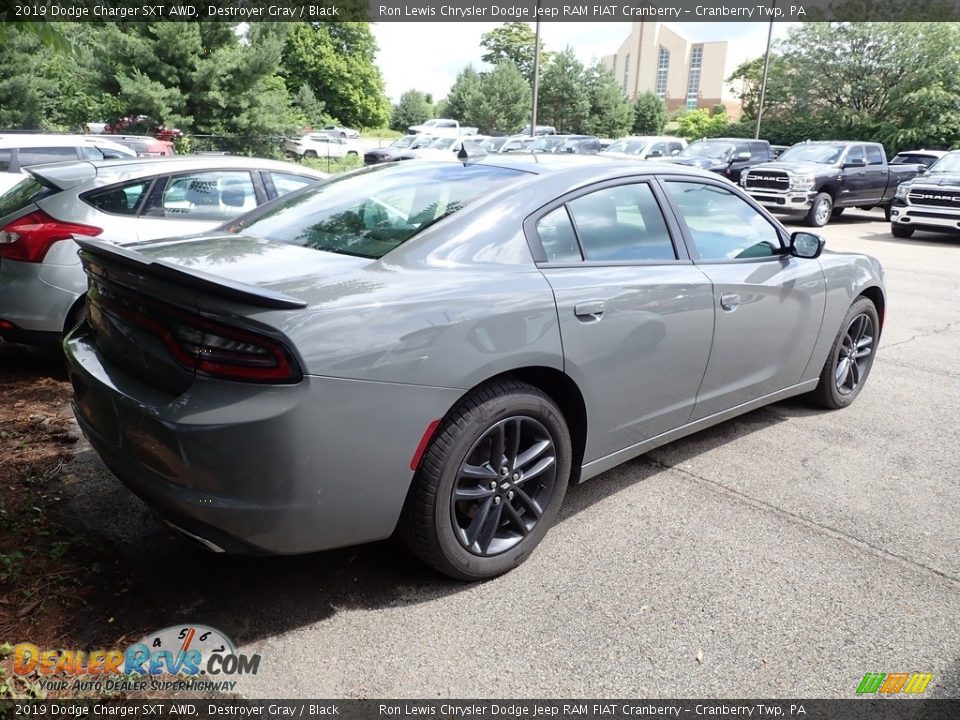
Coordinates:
[444,347]
[41,280]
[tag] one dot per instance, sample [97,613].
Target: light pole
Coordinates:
[766,69]
[536,75]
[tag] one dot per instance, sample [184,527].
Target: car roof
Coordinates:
[9,139]
[550,163]
[105,172]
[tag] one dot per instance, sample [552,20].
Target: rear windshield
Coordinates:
[371,212]
[27,191]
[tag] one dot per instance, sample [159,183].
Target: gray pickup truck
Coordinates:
[818,180]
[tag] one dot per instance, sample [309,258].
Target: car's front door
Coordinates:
[856,179]
[636,316]
[768,304]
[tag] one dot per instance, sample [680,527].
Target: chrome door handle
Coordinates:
[729,302]
[590,311]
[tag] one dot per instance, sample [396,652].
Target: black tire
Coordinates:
[343,134]
[352,152]
[859,332]
[311,154]
[432,524]
[820,211]
[837,212]
[901,231]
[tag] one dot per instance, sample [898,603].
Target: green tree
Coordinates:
[698,124]
[886,81]
[414,108]
[611,114]
[463,96]
[649,114]
[515,42]
[503,103]
[564,94]
[336,59]
[310,107]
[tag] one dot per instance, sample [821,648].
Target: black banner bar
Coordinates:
[477,11]
[899,708]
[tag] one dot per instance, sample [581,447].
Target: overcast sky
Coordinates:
[427,56]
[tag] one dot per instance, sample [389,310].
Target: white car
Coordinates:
[444,148]
[341,132]
[441,127]
[645,147]
[320,145]
[120,201]
[19,151]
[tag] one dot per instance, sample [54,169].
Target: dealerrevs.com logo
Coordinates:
[894,683]
[191,657]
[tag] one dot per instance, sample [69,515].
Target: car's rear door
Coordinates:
[636,315]
[768,304]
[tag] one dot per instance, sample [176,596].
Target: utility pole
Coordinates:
[766,69]
[536,75]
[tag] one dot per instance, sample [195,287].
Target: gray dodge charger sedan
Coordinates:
[440,348]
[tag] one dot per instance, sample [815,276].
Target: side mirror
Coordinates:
[806,245]
[859,163]
[743,155]
[675,153]
[921,170]
[655,153]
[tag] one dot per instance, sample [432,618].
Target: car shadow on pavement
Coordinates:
[168,580]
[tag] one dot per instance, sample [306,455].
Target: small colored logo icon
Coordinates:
[894,683]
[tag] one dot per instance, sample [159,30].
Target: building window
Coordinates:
[663,65]
[626,72]
[693,83]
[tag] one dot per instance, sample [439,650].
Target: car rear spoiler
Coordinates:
[197,279]
[62,176]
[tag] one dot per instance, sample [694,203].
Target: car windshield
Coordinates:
[442,144]
[493,144]
[629,147]
[404,142]
[707,149]
[371,212]
[546,144]
[947,164]
[825,154]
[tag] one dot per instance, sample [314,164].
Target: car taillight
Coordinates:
[209,347]
[28,238]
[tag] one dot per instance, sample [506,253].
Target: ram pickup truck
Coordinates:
[729,157]
[930,201]
[818,180]
[441,127]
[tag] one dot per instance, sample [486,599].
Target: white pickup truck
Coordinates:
[441,127]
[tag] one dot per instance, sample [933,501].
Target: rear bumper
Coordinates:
[36,298]
[258,468]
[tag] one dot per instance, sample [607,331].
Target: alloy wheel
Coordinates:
[856,350]
[823,212]
[503,485]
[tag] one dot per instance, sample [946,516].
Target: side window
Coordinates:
[675,147]
[557,236]
[657,150]
[760,151]
[118,200]
[90,152]
[204,196]
[39,156]
[620,224]
[288,182]
[855,155]
[723,226]
[5,156]
[874,156]
[740,149]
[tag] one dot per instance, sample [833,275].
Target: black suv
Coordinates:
[725,156]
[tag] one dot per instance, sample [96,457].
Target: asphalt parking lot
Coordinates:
[785,553]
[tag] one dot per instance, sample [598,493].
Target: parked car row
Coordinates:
[19,151]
